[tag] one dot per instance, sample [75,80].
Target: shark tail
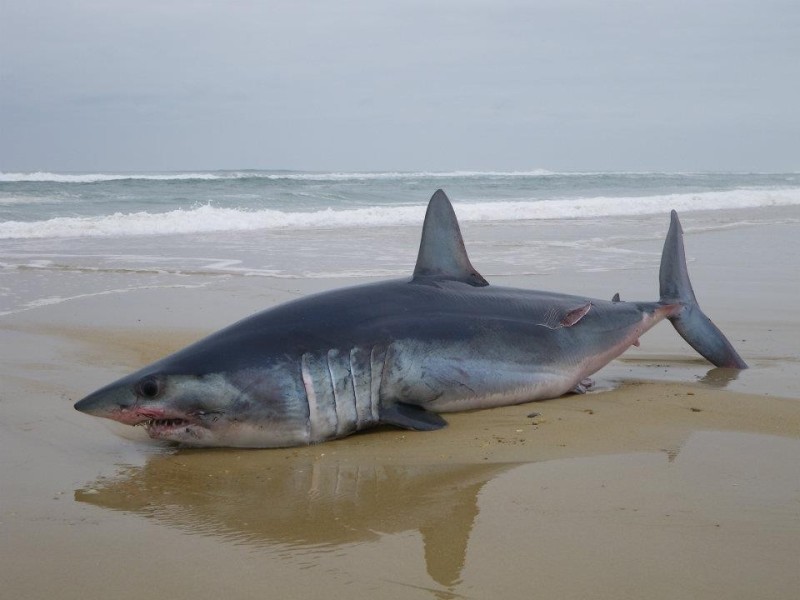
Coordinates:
[688,319]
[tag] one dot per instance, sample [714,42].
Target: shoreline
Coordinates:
[672,478]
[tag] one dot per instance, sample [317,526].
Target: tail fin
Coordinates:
[689,321]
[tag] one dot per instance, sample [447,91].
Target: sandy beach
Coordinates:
[671,480]
[168,169]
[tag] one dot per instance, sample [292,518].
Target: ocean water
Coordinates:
[135,230]
[49,205]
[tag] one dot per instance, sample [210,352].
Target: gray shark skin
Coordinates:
[397,353]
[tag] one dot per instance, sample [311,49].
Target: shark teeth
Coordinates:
[150,423]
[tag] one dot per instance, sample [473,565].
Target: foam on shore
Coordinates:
[208,218]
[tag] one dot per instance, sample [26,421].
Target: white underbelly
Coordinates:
[540,387]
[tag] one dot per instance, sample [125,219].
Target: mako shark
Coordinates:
[398,353]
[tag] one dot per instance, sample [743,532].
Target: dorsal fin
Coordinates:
[441,252]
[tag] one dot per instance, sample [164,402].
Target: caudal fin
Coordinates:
[694,326]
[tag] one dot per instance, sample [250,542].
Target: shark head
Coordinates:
[206,409]
[178,408]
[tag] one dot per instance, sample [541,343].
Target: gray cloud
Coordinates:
[111,85]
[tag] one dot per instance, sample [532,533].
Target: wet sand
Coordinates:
[672,480]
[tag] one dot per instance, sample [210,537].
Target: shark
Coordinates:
[398,352]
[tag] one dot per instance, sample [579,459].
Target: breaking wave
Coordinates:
[44,177]
[208,218]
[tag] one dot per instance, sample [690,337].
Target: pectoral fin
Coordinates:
[408,416]
[575,315]
[560,316]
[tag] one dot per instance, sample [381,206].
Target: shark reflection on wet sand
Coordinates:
[306,503]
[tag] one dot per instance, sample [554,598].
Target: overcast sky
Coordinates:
[93,85]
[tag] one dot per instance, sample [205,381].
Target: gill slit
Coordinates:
[334,395]
[311,396]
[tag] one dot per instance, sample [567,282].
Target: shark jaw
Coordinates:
[167,425]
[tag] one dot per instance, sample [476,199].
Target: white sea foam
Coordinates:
[14,201]
[44,177]
[208,218]
[397,175]
[41,176]
[50,300]
[334,176]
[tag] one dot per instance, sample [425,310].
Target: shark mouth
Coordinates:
[162,423]
[169,429]
[157,424]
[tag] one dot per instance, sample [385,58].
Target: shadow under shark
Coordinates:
[398,353]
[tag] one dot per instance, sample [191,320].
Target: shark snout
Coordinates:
[117,403]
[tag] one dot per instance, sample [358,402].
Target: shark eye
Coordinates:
[149,387]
